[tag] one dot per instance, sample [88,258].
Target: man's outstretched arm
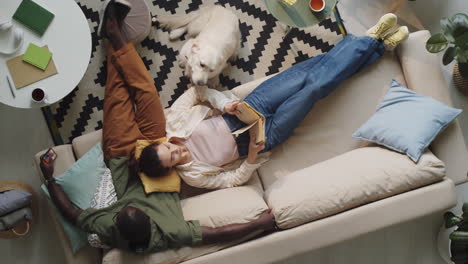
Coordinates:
[57,195]
[265,222]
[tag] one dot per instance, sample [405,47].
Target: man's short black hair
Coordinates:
[134,226]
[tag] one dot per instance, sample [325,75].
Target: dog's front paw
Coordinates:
[233,58]
[182,61]
[177,33]
[213,82]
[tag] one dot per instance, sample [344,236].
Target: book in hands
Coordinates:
[255,122]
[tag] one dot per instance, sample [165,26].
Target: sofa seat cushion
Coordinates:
[212,209]
[349,180]
[326,131]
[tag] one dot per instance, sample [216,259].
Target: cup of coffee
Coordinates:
[38,95]
[317,5]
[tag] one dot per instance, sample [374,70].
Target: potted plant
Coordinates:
[454,40]
[458,237]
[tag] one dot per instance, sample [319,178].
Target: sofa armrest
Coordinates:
[423,75]
[66,158]
[346,181]
[84,143]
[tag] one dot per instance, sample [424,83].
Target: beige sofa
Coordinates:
[323,185]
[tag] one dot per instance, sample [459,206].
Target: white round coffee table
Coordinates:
[68,38]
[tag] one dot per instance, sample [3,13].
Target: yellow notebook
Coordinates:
[255,122]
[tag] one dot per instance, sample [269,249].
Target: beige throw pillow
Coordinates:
[349,180]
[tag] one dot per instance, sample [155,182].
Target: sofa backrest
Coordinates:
[84,143]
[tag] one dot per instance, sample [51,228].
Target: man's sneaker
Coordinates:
[383,27]
[395,38]
[122,9]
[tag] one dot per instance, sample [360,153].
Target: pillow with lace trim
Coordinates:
[104,196]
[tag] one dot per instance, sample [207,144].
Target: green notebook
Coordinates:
[37,56]
[33,16]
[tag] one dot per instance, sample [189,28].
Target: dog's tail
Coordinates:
[177,21]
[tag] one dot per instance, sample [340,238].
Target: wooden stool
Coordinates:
[24,227]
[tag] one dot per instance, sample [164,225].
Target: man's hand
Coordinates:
[57,195]
[231,108]
[266,221]
[254,148]
[47,167]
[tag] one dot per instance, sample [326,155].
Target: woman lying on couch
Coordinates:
[203,149]
[138,222]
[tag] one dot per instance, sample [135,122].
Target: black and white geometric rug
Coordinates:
[266,49]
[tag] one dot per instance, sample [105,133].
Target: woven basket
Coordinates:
[24,227]
[460,82]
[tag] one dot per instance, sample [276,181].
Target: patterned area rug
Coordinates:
[267,47]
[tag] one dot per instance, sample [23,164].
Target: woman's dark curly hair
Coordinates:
[149,162]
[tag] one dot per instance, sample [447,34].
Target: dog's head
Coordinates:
[200,62]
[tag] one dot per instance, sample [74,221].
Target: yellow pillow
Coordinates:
[168,183]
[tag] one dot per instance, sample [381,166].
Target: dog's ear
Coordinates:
[195,46]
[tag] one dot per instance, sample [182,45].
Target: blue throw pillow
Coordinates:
[406,122]
[79,182]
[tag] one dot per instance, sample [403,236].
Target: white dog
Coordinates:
[214,38]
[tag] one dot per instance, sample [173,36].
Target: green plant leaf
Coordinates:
[462,40]
[449,55]
[455,26]
[459,20]
[436,43]
[463,69]
[465,208]
[448,215]
[459,31]
[447,28]
[451,220]
[459,237]
[461,55]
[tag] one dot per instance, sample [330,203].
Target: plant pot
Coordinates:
[460,80]
[443,243]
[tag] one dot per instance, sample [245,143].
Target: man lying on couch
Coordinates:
[137,222]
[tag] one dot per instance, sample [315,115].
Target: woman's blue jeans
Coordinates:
[286,98]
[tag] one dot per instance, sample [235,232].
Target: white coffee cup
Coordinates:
[317,5]
[38,95]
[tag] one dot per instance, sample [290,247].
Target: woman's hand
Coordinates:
[254,148]
[231,108]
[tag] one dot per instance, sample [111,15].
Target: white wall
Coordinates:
[431,11]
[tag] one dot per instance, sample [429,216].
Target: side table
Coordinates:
[299,14]
[68,38]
